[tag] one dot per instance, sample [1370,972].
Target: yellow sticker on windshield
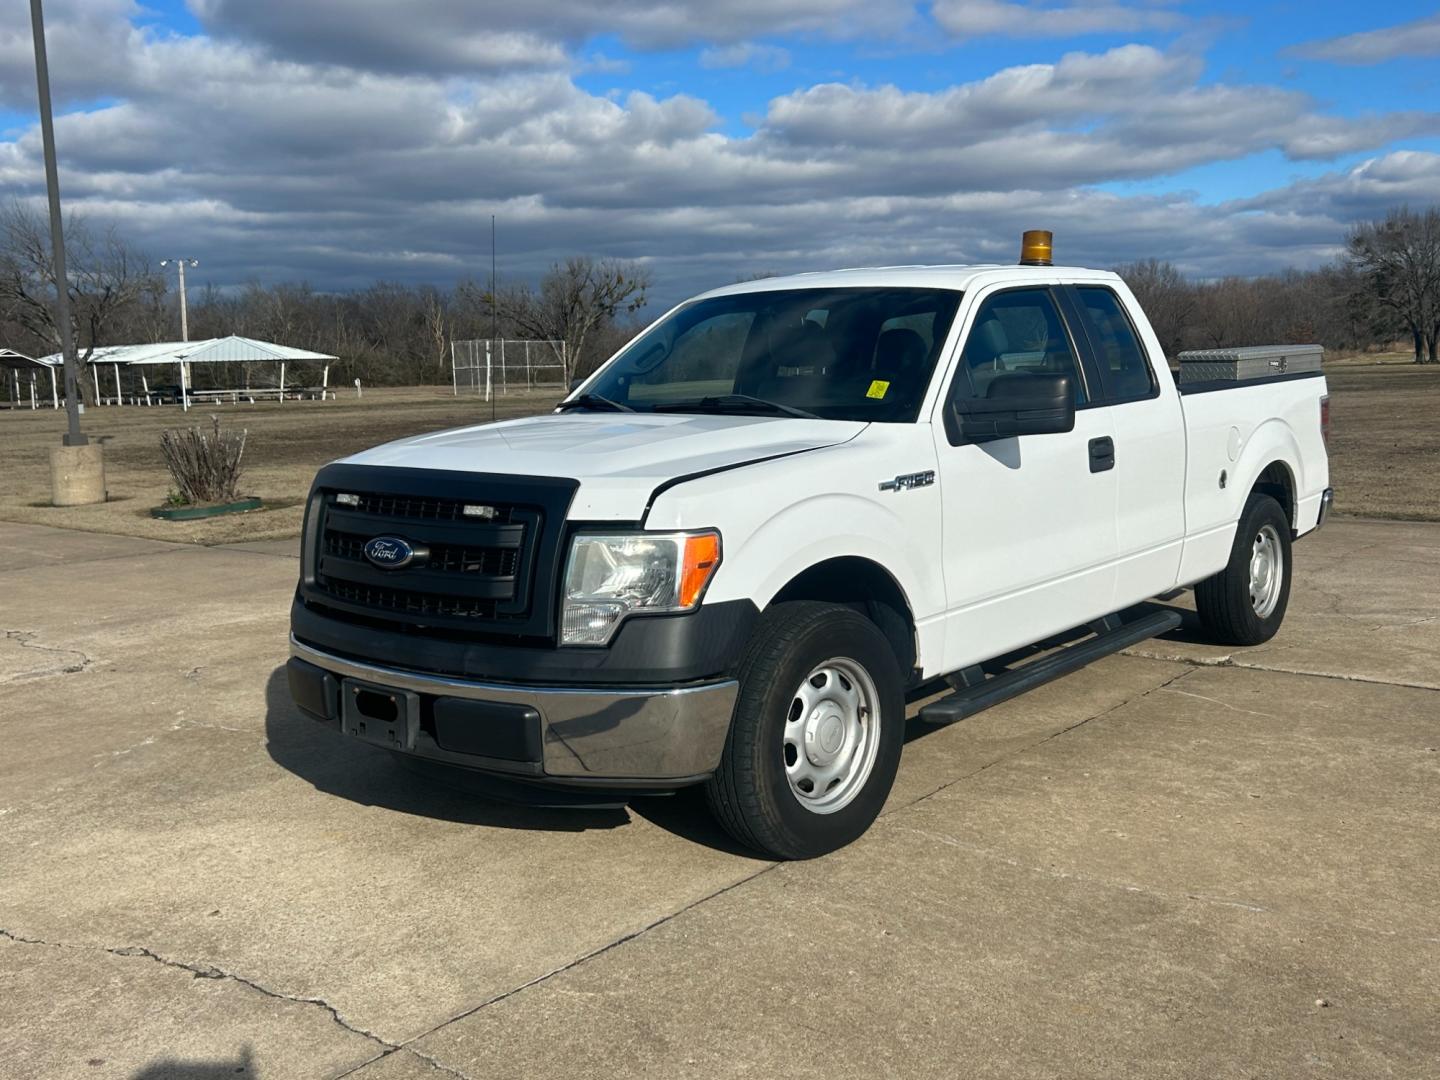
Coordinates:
[878,389]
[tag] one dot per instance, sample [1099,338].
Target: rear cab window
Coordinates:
[1119,358]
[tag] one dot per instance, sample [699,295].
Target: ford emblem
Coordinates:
[390,552]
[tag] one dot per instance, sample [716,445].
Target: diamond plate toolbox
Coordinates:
[1250,362]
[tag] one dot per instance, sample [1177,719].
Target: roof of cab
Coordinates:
[959,277]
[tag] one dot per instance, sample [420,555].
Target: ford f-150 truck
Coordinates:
[728,557]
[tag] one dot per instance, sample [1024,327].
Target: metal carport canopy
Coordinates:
[18,361]
[226,350]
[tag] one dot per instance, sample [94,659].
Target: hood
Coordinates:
[619,458]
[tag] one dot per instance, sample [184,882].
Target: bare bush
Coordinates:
[204,464]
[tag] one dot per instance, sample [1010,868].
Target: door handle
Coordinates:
[1102,454]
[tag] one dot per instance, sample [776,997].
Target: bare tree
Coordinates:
[435,318]
[575,299]
[107,280]
[1168,299]
[1400,259]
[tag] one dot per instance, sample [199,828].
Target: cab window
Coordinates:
[1123,366]
[703,359]
[1017,332]
[853,353]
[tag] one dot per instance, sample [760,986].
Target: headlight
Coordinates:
[610,577]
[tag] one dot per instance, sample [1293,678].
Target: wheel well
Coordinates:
[868,588]
[1277,482]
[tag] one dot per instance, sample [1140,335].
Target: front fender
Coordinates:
[788,544]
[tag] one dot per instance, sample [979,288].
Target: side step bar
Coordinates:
[1112,636]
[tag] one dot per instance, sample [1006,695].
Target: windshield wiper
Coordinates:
[593,401]
[736,403]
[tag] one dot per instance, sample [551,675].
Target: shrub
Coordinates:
[204,464]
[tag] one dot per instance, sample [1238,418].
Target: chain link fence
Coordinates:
[491,367]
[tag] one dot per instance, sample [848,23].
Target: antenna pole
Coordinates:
[494,309]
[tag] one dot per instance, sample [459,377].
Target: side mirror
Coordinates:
[1016,404]
[575,384]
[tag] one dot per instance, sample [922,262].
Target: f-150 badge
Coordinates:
[906,481]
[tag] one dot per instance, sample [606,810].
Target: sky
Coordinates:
[341,142]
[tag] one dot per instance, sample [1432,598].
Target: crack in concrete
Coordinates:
[1222,704]
[1335,602]
[434,1063]
[207,972]
[1229,661]
[70,561]
[408,1046]
[25,639]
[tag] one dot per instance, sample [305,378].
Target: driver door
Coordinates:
[1029,538]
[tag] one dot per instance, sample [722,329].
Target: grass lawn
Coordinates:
[1384,450]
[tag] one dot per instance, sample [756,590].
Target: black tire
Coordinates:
[1224,602]
[750,794]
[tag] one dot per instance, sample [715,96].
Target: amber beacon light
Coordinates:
[1035,248]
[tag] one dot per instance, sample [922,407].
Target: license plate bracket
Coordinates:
[379,714]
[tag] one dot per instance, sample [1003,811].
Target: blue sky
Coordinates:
[343,141]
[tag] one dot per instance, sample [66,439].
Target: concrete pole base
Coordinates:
[77,475]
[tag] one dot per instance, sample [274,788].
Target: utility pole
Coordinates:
[73,435]
[184,312]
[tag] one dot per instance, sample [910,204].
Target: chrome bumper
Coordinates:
[586,733]
[1327,500]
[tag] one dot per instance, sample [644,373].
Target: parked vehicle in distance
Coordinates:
[727,557]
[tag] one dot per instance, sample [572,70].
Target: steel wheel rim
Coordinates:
[1267,571]
[831,735]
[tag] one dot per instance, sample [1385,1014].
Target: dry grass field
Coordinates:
[1385,451]
[1385,437]
[287,442]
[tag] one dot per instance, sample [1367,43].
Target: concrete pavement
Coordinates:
[1158,866]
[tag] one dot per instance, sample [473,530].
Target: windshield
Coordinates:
[838,354]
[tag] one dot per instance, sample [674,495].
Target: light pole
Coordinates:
[77,466]
[180,264]
[73,435]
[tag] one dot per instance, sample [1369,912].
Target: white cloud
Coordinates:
[89,44]
[1077,86]
[442,36]
[1418,38]
[746,54]
[1129,112]
[267,165]
[979,18]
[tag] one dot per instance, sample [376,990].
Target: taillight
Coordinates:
[1325,420]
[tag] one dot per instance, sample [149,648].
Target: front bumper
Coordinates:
[654,736]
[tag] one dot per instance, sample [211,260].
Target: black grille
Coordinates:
[420,508]
[445,558]
[409,602]
[492,573]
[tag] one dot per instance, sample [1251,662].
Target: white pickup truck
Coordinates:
[729,557]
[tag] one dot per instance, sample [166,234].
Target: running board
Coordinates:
[994,689]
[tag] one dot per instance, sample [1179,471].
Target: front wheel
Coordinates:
[815,741]
[1245,603]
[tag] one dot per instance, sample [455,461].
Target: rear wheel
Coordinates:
[816,737]
[1245,603]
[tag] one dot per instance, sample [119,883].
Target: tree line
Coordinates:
[1384,289]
